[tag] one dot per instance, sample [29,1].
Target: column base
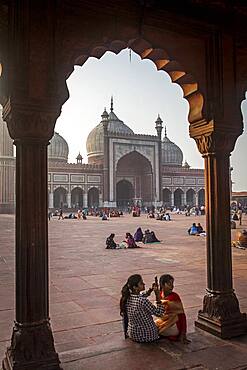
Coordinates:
[32,347]
[221,315]
[223,329]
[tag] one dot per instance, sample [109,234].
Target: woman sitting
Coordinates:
[137,310]
[138,236]
[130,241]
[110,243]
[173,323]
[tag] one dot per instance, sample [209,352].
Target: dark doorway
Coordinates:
[60,198]
[93,198]
[125,193]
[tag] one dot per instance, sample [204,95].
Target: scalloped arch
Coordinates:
[162,61]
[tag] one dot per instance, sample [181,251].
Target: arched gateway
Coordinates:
[134,177]
[32,101]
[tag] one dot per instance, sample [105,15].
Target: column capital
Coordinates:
[211,139]
[31,121]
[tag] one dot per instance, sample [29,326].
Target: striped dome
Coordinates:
[58,150]
[172,155]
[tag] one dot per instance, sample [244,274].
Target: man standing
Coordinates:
[240,213]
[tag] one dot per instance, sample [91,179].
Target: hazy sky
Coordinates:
[140,93]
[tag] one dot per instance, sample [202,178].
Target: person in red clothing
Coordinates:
[173,323]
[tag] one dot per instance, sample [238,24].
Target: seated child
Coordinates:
[173,323]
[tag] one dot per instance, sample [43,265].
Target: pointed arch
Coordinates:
[162,61]
[60,197]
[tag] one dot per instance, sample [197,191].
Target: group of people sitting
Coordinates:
[130,241]
[146,237]
[137,311]
[196,229]
[163,216]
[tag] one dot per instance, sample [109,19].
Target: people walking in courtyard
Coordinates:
[137,311]
[173,323]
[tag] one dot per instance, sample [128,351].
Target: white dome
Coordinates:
[172,155]
[58,150]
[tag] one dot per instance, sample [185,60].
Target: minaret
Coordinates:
[7,169]
[105,120]
[159,128]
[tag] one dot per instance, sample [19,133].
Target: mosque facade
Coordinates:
[123,169]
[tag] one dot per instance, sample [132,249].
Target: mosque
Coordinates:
[123,169]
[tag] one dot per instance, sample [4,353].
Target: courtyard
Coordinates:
[85,285]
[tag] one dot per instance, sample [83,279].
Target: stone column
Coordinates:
[183,199]
[196,199]
[32,345]
[106,199]
[159,129]
[85,200]
[172,198]
[100,200]
[220,314]
[51,199]
[68,199]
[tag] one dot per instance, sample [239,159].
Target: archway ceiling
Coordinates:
[134,160]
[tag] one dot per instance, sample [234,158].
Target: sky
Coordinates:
[140,93]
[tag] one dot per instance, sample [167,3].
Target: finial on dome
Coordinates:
[111,103]
[165,132]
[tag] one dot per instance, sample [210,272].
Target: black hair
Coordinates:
[132,281]
[166,278]
[112,235]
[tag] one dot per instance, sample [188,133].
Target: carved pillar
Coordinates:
[32,345]
[220,314]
